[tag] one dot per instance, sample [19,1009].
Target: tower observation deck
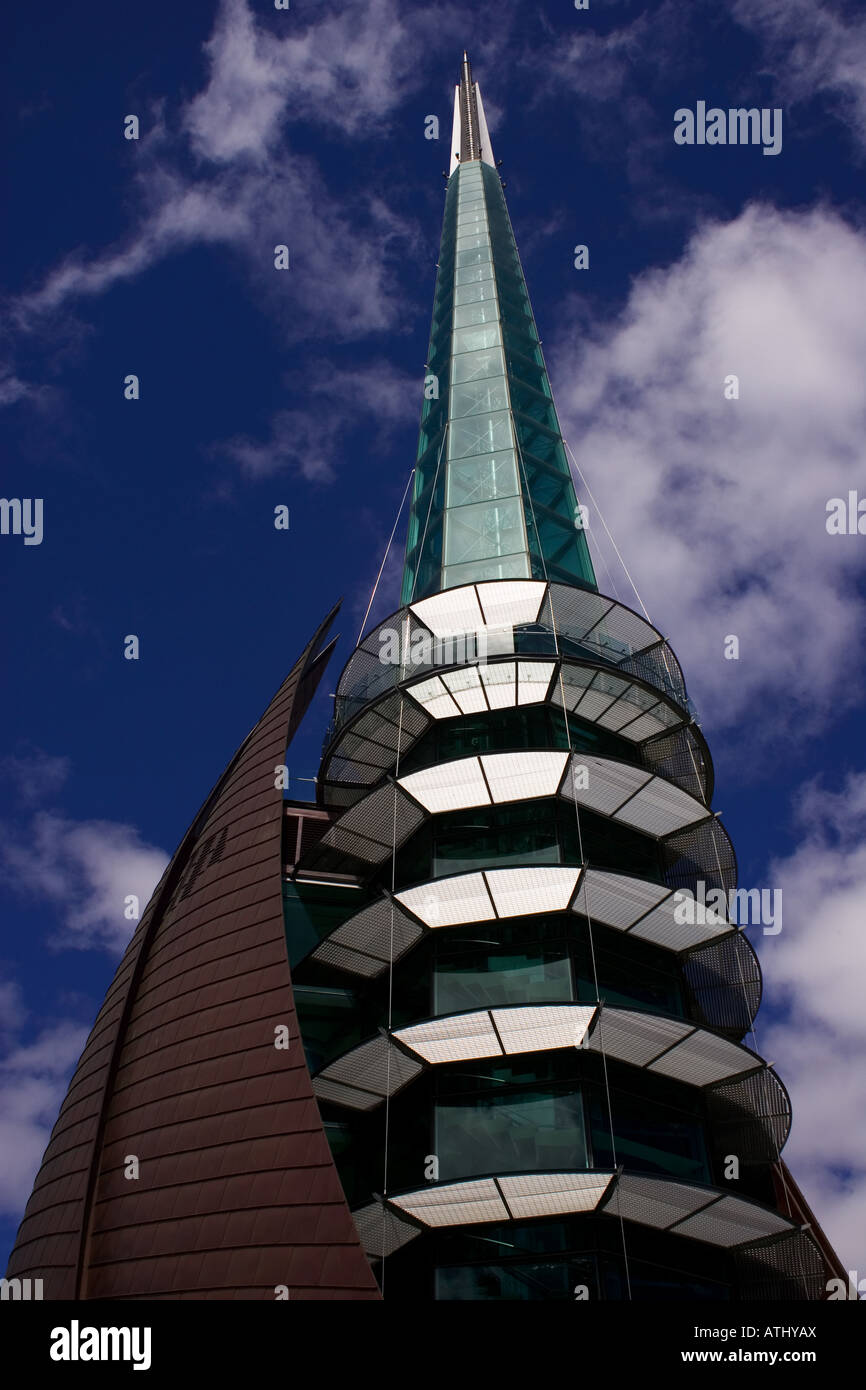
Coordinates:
[532,1069]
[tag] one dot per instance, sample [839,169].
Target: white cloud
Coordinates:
[33,1082]
[250,191]
[86,869]
[814,49]
[350,70]
[36,775]
[719,506]
[813,974]
[376,397]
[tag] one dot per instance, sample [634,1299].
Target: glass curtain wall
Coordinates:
[493,497]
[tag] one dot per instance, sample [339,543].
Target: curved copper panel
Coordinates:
[237,1193]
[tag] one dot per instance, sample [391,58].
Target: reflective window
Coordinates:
[467,314]
[486,979]
[473,258]
[472,239]
[473,274]
[483,531]
[475,397]
[480,434]
[514,1282]
[474,339]
[471,294]
[531,1131]
[475,366]
[650,1138]
[482,479]
[510,567]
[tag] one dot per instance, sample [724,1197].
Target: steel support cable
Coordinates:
[429,510]
[570,451]
[752,1030]
[391,956]
[583,865]
[387,552]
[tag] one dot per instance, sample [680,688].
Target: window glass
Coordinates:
[470,217]
[472,258]
[480,434]
[468,240]
[484,980]
[514,1282]
[465,315]
[482,479]
[510,567]
[453,855]
[485,335]
[473,274]
[471,294]
[650,1138]
[531,1131]
[475,366]
[477,397]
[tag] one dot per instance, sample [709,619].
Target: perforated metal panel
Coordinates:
[381,1231]
[789,1269]
[365,942]
[725,980]
[701,853]
[751,1117]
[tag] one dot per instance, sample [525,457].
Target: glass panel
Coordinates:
[471,294]
[464,258]
[477,396]
[470,216]
[513,1282]
[474,339]
[511,567]
[329,1023]
[482,479]
[485,981]
[475,366]
[649,1138]
[473,274]
[480,434]
[530,1132]
[482,531]
[485,312]
[472,239]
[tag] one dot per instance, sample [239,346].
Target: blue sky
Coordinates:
[303,388]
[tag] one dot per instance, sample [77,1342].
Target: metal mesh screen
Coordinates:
[750,1118]
[678,757]
[725,981]
[699,853]
[790,1269]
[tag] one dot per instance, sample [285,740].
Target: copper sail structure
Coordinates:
[235,1194]
[517,1069]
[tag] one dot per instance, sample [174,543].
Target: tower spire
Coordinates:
[471,138]
[493,496]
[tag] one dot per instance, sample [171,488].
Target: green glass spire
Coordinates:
[493,496]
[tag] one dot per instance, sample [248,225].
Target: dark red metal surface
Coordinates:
[237,1193]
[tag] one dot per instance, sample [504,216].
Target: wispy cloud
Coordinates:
[813,974]
[33,1080]
[814,49]
[221,172]
[735,491]
[376,398]
[86,869]
[37,776]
